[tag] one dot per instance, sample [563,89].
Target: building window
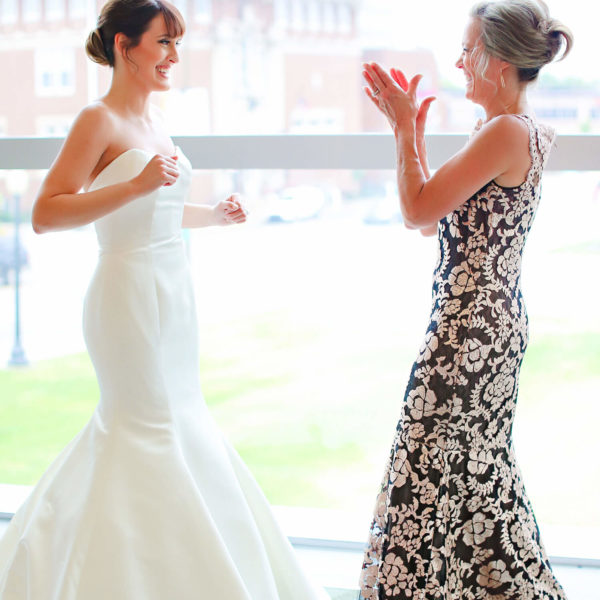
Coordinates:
[345,18]
[55,10]
[316,120]
[329,17]
[557,113]
[55,72]
[77,10]
[9,12]
[182,7]
[298,15]
[280,13]
[32,11]
[202,10]
[53,126]
[314,16]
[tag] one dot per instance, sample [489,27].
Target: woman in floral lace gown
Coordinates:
[452,520]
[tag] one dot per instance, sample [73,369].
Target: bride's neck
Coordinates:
[128,96]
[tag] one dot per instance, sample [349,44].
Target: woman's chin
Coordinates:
[162,87]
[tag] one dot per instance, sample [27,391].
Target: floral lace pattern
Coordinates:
[452,520]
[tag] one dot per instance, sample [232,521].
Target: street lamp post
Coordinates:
[16,184]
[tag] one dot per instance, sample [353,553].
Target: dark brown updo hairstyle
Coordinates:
[522,33]
[132,18]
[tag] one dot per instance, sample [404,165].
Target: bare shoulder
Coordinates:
[508,131]
[509,135]
[96,120]
[90,135]
[92,132]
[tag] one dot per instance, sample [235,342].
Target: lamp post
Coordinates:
[16,185]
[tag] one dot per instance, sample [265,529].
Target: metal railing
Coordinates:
[344,151]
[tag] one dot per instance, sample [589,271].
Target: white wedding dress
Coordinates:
[148,502]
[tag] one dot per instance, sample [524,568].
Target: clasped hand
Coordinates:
[160,170]
[396,98]
[230,211]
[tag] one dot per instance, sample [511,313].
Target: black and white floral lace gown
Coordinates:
[452,520]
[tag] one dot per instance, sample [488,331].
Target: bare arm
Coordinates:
[59,205]
[424,200]
[226,212]
[421,119]
[487,156]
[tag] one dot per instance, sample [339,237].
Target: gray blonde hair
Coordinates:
[522,33]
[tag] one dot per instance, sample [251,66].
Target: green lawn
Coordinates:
[313,419]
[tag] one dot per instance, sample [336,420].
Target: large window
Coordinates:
[32,10]
[263,67]
[307,372]
[55,10]
[55,72]
[9,12]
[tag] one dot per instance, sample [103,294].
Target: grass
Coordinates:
[42,408]
[313,419]
[556,428]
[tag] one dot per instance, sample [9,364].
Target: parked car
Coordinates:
[384,208]
[298,203]
[383,211]
[7,257]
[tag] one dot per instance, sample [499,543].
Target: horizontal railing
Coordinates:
[345,151]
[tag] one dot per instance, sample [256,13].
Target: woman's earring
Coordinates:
[502,83]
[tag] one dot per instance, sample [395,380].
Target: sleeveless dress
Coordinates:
[452,520]
[148,502]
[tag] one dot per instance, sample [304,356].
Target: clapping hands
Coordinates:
[396,97]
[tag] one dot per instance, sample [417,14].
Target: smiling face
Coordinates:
[481,87]
[151,60]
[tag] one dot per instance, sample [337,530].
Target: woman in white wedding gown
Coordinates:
[148,502]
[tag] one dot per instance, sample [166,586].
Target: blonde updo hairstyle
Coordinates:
[522,33]
[132,18]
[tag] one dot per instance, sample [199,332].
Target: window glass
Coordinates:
[329,19]
[314,15]
[77,9]
[202,9]
[9,12]
[182,6]
[261,80]
[32,10]
[55,72]
[326,333]
[336,299]
[55,10]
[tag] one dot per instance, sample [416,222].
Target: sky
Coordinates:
[439,25]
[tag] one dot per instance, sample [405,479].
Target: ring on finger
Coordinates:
[376,91]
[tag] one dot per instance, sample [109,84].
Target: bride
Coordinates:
[148,502]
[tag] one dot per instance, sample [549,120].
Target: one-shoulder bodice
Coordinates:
[148,221]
